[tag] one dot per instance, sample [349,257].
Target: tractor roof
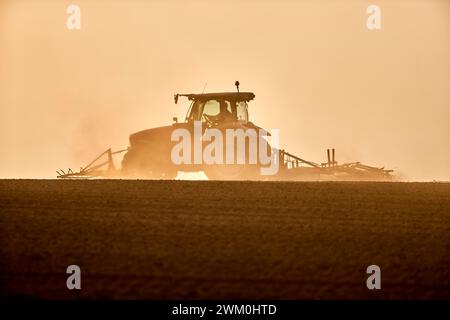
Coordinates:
[240,96]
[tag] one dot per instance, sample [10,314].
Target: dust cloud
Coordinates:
[319,75]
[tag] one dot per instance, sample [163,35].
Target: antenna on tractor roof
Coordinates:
[204,87]
[237,85]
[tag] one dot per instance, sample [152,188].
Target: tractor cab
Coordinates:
[218,108]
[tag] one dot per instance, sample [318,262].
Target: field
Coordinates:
[205,239]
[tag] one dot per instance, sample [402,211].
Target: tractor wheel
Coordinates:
[232,172]
[135,165]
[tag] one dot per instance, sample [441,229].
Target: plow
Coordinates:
[151,153]
[295,168]
[101,167]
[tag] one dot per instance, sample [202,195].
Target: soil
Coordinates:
[137,239]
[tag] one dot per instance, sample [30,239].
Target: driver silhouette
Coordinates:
[224,115]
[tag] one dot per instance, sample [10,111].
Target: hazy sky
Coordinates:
[319,75]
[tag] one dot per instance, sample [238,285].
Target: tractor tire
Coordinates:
[136,165]
[232,172]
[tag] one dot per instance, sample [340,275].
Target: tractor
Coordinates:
[150,152]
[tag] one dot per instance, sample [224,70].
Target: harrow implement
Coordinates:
[95,169]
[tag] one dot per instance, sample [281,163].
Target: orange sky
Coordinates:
[319,75]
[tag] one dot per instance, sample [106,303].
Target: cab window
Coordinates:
[242,111]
